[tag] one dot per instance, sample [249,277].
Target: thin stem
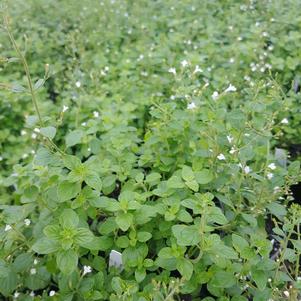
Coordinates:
[26,69]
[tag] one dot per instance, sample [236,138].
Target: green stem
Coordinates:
[26,69]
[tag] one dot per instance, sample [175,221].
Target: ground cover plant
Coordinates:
[149,150]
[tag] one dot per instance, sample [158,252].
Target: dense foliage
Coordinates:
[166,131]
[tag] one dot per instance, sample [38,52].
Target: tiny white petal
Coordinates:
[27,222]
[7,228]
[272,166]
[184,63]
[231,88]
[96,114]
[191,106]
[35,262]
[286,293]
[23,132]
[215,95]
[197,69]
[16,294]
[230,138]
[65,108]
[51,293]
[32,294]
[247,169]
[87,269]
[221,157]
[37,130]
[284,121]
[78,84]
[33,271]
[172,70]
[270,175]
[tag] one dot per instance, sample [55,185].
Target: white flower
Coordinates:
[24,156]
[231,61]
[33,271]
[197,69]
[96,114]
[286,293]
[37,130]
[231,88]
[284,121]
[172,70]
[233,150]
[184,63]
[7,228]
[84,123]
[221,157]
[172,97]
[272,166]
[215,95]
[32,294]
[16,294]
[51,293]
[191,106]
[265,34]
[247,169]
[230,138]
[78,84]
[34,136]
[270,175]
[23,132]
[87,269]
[27,222]
[1,158]
[65,108]
[35,262]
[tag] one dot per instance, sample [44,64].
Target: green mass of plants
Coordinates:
[149,150]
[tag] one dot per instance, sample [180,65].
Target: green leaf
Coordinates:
[239,243]
[94,181]
[69,219]
[8,284]
[106,203]
[204,176]
[52,232]
[277,209]
[144,236]
[215,215]
[175,182]
[39,83]
[124,221]
[74,138]
[71,162]
[185,267]
[166,253]
[187,174]
[67,261]
[83,236]
[48,132]
[223,279]
[260,279]
[193,185]
[68,190]
[186,235]
[22,262]
[140,275]
[45,246]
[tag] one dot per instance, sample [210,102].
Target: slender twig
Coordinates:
[25,65]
